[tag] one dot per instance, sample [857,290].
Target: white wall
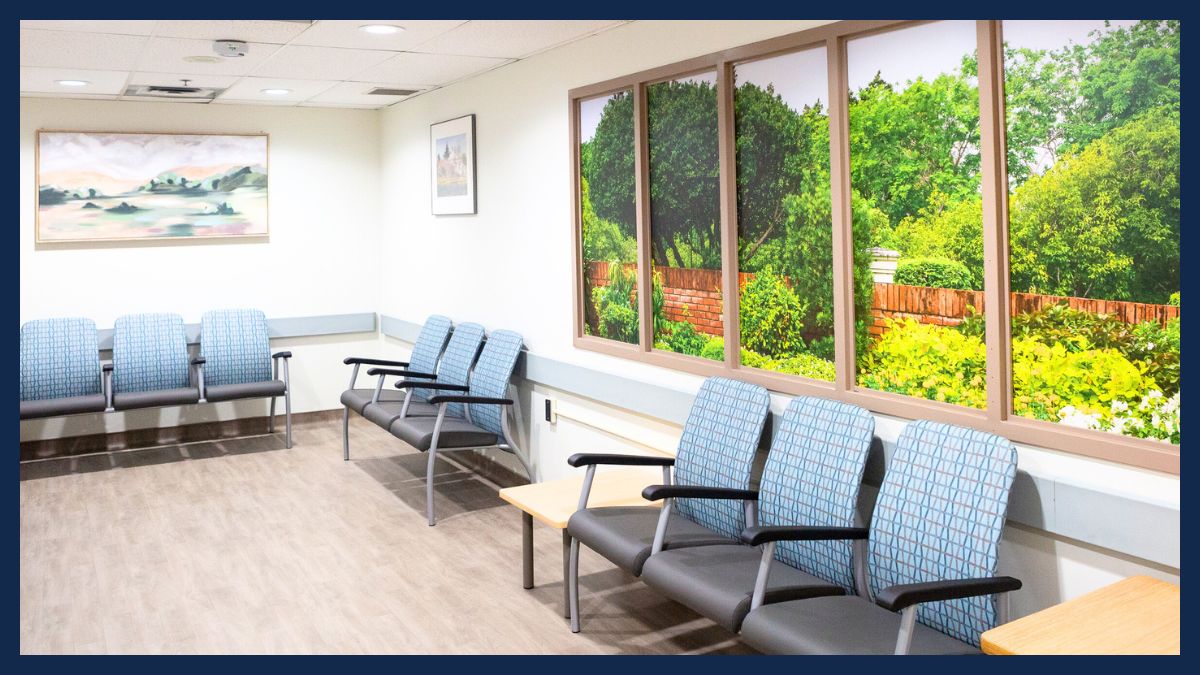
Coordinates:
[510,266]
[319,257]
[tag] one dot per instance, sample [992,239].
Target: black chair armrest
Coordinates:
[281,355]
[199,360]
[407,384]
[350,360]
[401,373]
[108,367]
[437,400]
[763,534]
[656,492]
[590,458]
[896,598]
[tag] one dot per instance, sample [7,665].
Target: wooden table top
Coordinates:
[1138,615]
[553,501]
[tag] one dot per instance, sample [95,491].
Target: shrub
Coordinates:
[1049,378]
[616,312]
[770,314]
[934,272]
[713,349]
[805,365]
[822,347]
[930,362]
[682,338]
[1174,299]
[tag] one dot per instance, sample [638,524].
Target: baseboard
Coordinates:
[148,438]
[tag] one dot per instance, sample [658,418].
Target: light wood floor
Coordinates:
[246,547]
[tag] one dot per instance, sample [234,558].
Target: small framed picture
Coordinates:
[452,159]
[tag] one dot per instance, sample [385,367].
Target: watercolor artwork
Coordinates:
[131,186]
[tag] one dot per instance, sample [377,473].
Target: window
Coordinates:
[1093,169]
[608,224]
[970,221]
[685,216]
[917,218]
[785,226]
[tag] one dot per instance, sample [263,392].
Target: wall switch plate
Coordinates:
[551,411]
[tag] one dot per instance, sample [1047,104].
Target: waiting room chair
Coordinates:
[468,417]
[932,556]
[60,369]
[235,347]
[150,363]
[717,449]
[422,363]
[812,476]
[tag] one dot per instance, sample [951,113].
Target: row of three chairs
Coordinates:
[61,371]
[785,565]
[452,394]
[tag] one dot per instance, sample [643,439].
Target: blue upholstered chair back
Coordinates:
[59,358]
[236,346]
[812,477]
[939,516]
[491,377]
[150,353]
[720,439]
[428,347]
[457,362]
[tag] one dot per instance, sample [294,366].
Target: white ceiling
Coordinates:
[323,63]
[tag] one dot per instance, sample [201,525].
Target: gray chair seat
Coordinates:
[384,413]
[357,399]
[625,534]
[129,400]
[229,392]
[455,433]
[718,581]
[70,405]
[839,625]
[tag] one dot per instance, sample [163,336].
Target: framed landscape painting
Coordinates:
[115,186]
[452,156]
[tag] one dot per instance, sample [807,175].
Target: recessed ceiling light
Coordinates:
[202,59]
[74,83]
[276,92]
[380,29]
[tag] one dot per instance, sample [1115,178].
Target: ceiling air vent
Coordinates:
[384,91]
[166,92]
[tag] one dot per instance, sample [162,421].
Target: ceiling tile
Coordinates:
[250,89]
[173,79]
[355,94]
[351,106]
[426,69]
[346,34]
[165,55]
[320,63]
[510,39]
[116,27]
[275,32]
[45,81]
[64,49]
[90,97]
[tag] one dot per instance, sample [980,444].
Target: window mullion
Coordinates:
[726,149]
[641,166]
[843,249]
[994,176]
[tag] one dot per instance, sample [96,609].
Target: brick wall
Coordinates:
[700,292]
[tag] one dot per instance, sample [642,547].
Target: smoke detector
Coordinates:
[230,49]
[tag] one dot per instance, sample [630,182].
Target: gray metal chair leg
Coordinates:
[429,486]
[271,418]
[346,434]
[573,585]
[287,409]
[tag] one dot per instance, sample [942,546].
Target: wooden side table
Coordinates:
[1138,615]
[553,502]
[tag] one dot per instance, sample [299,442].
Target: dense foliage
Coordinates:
[1093,146]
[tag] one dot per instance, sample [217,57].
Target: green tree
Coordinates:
[608,167]
[684,191]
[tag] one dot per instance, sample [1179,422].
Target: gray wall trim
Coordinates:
[287,327]
[1144,529]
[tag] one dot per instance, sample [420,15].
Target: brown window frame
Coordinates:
[998,416]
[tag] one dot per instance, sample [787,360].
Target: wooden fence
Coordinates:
[695,295]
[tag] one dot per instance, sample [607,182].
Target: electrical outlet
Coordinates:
[551,411]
